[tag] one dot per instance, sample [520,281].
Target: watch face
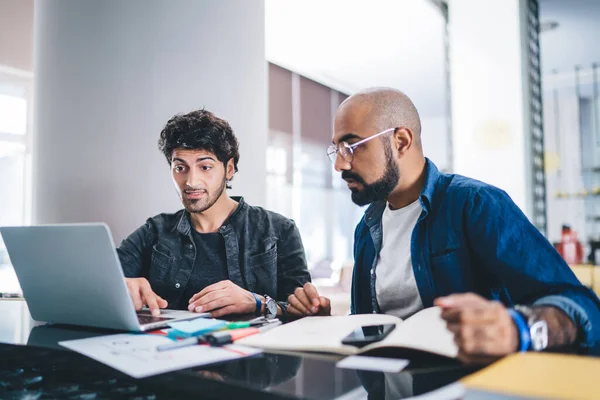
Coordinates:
[271,308]
[539,335]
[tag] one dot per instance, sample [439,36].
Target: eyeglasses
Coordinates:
[347,150]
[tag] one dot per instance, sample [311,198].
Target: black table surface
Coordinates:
[268,375]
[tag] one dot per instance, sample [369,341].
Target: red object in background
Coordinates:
[570,247]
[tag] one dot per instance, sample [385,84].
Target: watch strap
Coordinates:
[258,304]
[285,316]
[522,328]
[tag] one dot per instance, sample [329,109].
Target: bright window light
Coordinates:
[13,114]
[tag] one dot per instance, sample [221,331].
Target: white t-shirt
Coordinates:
[395,285]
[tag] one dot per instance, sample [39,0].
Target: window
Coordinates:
[15,163]
[302,183]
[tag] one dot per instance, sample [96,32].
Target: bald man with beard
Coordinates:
[434,239]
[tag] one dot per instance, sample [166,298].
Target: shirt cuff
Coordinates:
[577,314]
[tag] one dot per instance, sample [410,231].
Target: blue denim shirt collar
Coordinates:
[375,211]
[432,175]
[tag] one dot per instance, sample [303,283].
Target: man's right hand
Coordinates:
[306,301]
[142,295]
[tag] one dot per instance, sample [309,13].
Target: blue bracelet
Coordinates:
[258,304]
[524,335]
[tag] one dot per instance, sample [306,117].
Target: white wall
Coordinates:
[109,74]
[489,95]
[435,141]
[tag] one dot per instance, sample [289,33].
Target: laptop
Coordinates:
[71,274]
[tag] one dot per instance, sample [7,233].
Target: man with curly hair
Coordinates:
[219,254]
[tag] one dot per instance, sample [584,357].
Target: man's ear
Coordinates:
[229,169]
[403,140]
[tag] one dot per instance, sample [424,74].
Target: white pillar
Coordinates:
[490,99]
[109,74]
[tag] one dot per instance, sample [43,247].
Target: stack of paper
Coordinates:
[136,355]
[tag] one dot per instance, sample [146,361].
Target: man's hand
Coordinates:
[306,301]
[142,295]
[223,298]
[483,330]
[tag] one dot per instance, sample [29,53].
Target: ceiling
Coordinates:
[575,41]
[353,44]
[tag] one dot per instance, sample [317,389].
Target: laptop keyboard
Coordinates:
[148,319]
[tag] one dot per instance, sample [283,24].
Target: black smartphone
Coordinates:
[367,334]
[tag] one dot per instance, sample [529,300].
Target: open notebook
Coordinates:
[424,332]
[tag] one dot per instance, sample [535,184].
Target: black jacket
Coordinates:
[263,249]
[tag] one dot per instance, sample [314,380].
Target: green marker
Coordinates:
[238,325]
[248,324]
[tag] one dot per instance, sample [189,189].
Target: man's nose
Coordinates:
[341,164]
[193,178]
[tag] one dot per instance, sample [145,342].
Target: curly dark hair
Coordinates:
[200,130]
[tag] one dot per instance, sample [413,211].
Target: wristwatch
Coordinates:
[270,307]
[538,328]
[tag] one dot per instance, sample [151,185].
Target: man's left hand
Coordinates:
[483,330]
[223,298]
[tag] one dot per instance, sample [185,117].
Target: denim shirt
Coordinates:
[471,237]
[264,253]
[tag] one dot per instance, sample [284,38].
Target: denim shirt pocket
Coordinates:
[161,264]
[450,270]
[262,272]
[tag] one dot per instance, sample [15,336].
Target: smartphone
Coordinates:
[367,334]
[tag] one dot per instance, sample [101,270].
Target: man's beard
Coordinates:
[201,205]
[381,188]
